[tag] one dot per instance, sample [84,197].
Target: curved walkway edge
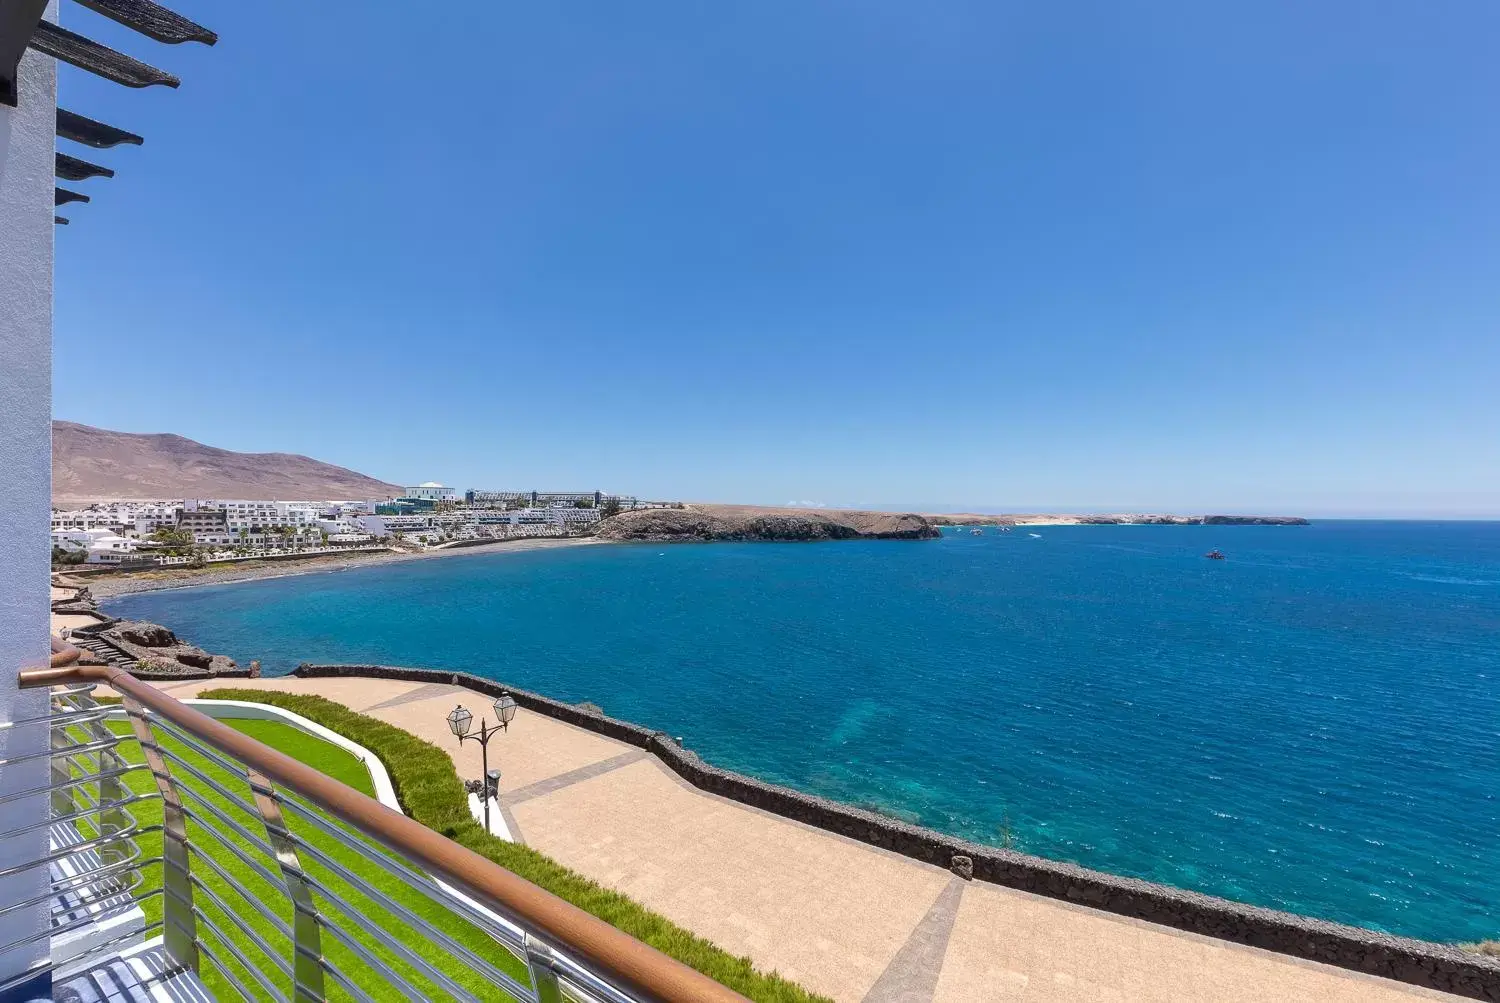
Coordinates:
[863,908]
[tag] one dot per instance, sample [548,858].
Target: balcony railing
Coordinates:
[261,874]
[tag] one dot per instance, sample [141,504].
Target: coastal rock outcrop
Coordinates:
[157,649]
[692,525]
[147,635]
[1254,520]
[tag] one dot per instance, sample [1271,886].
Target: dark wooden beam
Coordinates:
[18,20]
[60,43]
[72,169]
[62,196]
[71,125]
[152,20]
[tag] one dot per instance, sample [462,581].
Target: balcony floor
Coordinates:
[141,975]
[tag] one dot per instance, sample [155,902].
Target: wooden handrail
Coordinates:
[610,953]
[63,653]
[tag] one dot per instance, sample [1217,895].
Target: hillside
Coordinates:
[91,464]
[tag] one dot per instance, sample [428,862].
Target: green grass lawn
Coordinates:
[431,793]
[260,937]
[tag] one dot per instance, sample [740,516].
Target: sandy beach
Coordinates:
[108,586]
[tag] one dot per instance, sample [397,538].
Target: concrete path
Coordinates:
[856,923]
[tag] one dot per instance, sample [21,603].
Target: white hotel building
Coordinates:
[253,516]
[432,491]
[124,518]
[102,546]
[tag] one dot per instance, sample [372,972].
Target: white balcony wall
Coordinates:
[27,138]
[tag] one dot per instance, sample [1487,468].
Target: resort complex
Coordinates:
[139,533]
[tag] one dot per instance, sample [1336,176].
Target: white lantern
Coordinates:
[505,708]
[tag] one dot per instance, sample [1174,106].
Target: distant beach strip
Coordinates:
[106,586]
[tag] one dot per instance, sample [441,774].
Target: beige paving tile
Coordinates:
[352,693]
[356,694]
[823,911]
[533,748]
[72,621]
[1008,945]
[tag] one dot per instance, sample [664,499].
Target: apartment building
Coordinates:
[124,518]
[208,525]
[348,509]
[537,499]
[102,546]
[390,525]
[554,515]
[87,519]
[431,491]
[256,515]
[147,519]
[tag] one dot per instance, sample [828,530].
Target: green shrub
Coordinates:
[431,792]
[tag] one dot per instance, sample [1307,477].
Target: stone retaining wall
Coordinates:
[1435,966]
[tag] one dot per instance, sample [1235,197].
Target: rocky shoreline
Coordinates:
[158,651]
[696,525]
[148,650]
[130,582]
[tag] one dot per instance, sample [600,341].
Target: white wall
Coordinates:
[27,141]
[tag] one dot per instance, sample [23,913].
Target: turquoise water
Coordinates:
[1310,725]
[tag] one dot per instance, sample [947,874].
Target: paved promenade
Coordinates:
[856,923]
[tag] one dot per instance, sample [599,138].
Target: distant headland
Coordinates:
[705,523]
[700,522]
[1121,519]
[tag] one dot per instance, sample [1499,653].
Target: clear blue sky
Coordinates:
[1163,256]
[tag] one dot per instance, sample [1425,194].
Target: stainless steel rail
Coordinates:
[291,886]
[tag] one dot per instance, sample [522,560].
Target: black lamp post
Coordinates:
[459,722]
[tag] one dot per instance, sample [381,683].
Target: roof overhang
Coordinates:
[22,26]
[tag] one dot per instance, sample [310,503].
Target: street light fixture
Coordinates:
[459,722]
[505,709]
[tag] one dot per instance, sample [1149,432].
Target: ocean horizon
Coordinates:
[1309,725]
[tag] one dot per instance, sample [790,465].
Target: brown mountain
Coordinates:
[94,464]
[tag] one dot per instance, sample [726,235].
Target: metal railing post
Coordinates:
[180,932]
[112,818]
[61,772]
[112,790]
[543,968]
[307,947]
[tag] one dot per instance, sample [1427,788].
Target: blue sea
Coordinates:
[1311,725]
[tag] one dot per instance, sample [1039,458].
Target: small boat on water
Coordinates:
[976,532]
[1035,536]
[1215,555]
